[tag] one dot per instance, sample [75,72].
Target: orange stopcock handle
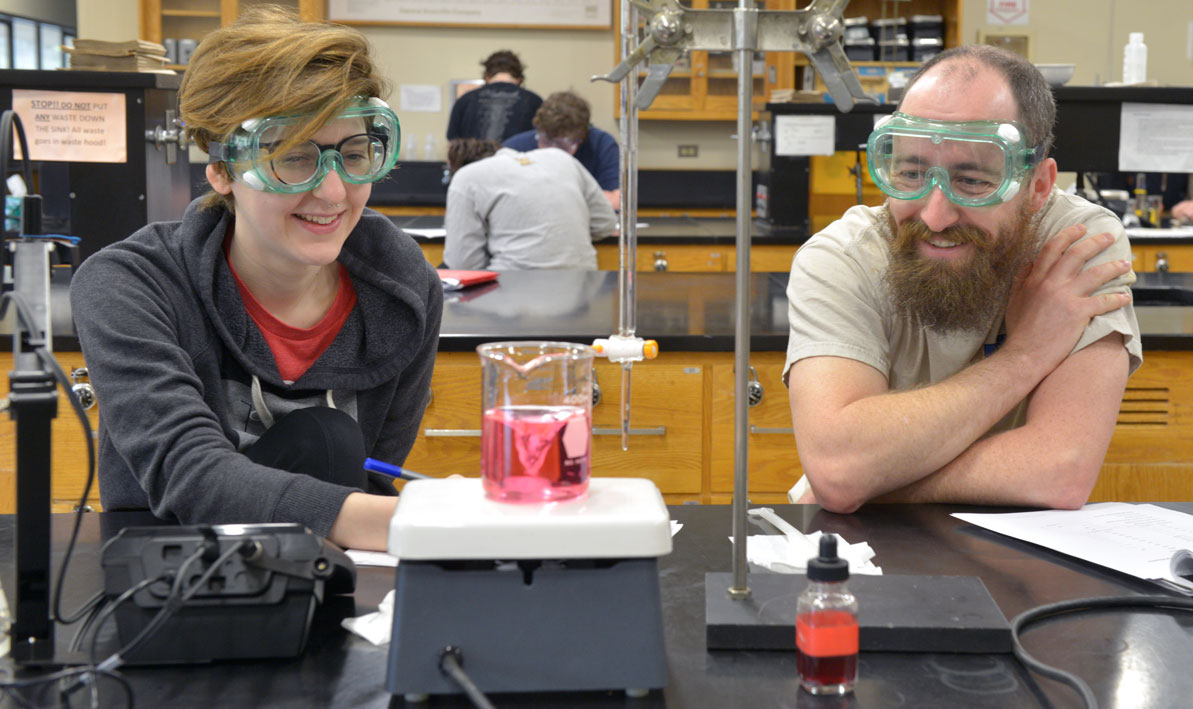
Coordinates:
[625,349]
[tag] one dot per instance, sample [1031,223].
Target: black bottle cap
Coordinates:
[828,566]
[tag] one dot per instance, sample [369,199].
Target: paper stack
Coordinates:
[132,55]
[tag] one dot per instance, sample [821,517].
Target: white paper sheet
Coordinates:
[805,135]
[1139,540]
[1155,137]
[427,233]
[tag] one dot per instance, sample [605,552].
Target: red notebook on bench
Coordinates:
[455,280]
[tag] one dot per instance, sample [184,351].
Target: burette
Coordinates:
[626,347]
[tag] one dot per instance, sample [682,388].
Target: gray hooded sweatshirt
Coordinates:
[172,355]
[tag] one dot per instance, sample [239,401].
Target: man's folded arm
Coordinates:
[1053,460]
[858,440]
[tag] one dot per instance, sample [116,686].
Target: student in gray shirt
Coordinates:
[513,211]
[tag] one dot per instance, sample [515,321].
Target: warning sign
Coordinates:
[72,126]
[1006,12]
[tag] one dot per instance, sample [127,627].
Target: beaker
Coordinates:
[536,420]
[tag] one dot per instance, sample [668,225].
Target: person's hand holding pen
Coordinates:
[393,471]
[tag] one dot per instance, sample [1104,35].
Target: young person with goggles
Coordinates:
[969,340]
[250,356]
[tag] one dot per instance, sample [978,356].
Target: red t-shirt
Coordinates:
[295,349]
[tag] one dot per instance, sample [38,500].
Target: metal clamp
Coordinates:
[171,138]
[672,30]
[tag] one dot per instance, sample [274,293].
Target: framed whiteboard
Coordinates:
[555,14]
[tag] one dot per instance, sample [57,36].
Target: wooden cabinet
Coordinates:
[683,430]
[192,19]
[703,85]
[772,461]
[1162,257]
[68,459]
[679,258]
[1151,454]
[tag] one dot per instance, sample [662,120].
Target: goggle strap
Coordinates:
[218,152]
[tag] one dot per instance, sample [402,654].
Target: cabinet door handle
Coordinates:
[763,430]
[651,431]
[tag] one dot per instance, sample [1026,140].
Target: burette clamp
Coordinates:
[620,348]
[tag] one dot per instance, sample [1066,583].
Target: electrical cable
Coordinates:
[1075,606]
[1097,190]
[103,615]
[47,359]
[451,662]
[172,604]
[84,670]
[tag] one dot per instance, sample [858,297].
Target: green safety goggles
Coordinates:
[975,163]
[365,156]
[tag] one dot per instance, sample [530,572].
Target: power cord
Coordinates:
[1076,606]
[47,359]
[451,663]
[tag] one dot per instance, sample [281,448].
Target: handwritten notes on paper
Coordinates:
[1145,541]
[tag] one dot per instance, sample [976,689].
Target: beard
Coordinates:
[958,297]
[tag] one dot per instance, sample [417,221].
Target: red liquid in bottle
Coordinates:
[535,453]
[824,672]
[826,651]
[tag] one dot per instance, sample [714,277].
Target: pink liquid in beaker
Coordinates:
[535,453]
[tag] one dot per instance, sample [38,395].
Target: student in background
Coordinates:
[250,356]
[499,109]
[564,122]
[512,211]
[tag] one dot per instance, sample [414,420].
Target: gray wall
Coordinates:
[60,12]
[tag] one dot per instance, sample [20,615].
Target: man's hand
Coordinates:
[1183,211]
[1051,301]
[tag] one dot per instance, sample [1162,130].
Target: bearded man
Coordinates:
[970,340]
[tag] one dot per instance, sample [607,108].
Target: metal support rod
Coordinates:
[627,273]
[745,33]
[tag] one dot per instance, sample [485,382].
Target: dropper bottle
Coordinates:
[826,628]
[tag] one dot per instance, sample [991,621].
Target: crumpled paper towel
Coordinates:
[374,627]
[789,553]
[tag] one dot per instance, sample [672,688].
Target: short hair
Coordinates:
[1033,97]
[270,63]
[503,61]
[563,115]
[463,151]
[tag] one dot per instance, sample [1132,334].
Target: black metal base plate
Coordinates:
[895,613]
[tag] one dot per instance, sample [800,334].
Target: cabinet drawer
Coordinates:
[773,462]
[68,459]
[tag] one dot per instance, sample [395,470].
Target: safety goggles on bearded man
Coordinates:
[255,156]
[975,163]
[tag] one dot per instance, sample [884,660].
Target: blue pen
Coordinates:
[392,470]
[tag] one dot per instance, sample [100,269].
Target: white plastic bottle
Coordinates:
[409,152]
[1135,60]
[429,147]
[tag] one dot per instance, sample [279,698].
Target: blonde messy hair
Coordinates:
[270,63]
